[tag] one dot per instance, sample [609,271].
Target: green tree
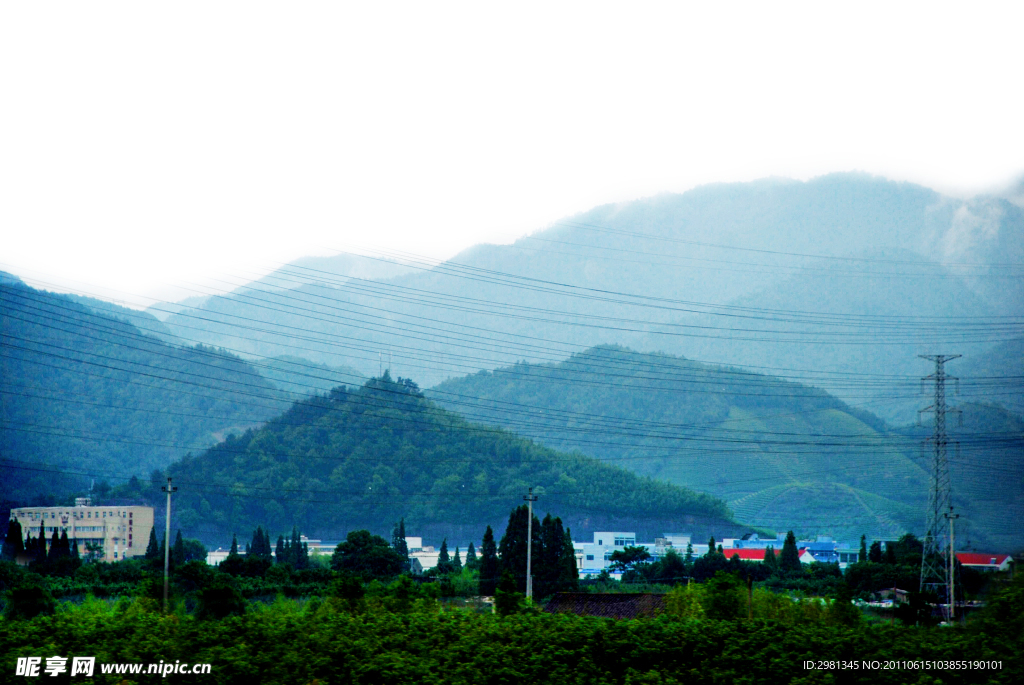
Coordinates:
[456,561]
[178,550]
[789,559]
[153,548]
[471,560]
[14,543]
[507,600]
[875,554]
[399,544]
[489,565]
[512,548]
[629,557]
[688,559]
[367,556]
[724,597]
[863,556]
[771,562]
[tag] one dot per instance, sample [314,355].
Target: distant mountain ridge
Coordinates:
[894,247]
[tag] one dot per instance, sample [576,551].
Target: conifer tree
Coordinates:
[770,560]
[863,556]
[689,553]
[789,559]
[41,544]
[65,544]
[54,552]
[234,545]
[488,564]
[74,549]
[178,551]
[875,554]
[14,543]
[890,554]
[399,544]
[711,546]
[279,554]
[471,561]
[153,548]
[457,561]
[443,557]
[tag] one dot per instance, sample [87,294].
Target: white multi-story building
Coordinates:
[117,532]
[594,557]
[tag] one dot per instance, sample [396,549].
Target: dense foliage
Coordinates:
[402,635]
[365,457]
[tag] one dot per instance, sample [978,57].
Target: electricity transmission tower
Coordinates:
[937,559]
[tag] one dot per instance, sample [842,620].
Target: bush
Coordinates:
[220,599]
[28,601]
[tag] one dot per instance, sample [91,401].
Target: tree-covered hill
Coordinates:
[367,457]
[87,396]
[783,455]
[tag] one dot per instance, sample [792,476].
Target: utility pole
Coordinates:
[530,498]
[169,489]
[952,564]
[934,575]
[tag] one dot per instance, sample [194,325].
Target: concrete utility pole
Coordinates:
[169,489]
[952,560]
[934,575]
[531,498]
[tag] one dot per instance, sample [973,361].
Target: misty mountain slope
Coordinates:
[90,395]
[143,320]
[918,317]
[784,455]
[994,376]
[299,377]
[365,457]
[560,289]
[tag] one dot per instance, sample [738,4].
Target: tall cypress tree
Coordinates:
[153,548]
[471,560]
[279,554]
[41,544]
[512,548]
[488,564]
[442,557]
[399,544]
[770,561]
[863,556]
[234,545]
[789,559]
[14,543]
[54,546]
[74,549]
[456,561]
[689,552]
[65,544]
[178,551]
[711,546]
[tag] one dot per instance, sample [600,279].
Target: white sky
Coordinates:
[145,145]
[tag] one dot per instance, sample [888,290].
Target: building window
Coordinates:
[600,542]
[590,557]
[622,542]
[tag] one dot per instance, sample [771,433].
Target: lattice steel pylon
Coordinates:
[936,556]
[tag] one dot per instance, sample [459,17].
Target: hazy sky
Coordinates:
[145,146]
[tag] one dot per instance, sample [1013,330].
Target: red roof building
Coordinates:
[746,554]
[985,562]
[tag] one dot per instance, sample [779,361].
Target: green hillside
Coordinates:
[87,396]
[299,377]
[783,455]
[365,457]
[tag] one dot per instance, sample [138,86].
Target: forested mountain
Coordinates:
[366,457]
[86,396]
[729,273]
[784,455]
